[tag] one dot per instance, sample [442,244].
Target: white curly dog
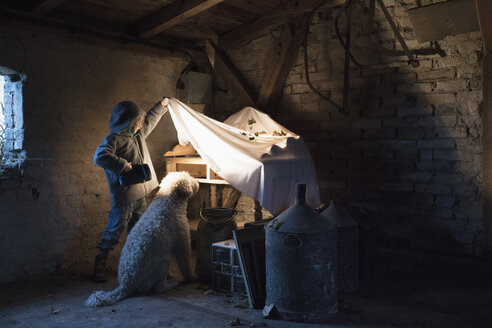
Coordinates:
[161,232]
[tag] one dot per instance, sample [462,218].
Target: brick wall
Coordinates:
[410,148]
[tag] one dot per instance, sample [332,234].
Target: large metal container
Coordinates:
[301,264]
[347,246]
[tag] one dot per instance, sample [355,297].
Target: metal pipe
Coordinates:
[412,60]
[346,75]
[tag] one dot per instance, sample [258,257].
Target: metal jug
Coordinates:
[301,258]
[347,246]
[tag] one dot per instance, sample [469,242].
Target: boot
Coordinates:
[99,273]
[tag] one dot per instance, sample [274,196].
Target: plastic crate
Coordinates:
[227,275]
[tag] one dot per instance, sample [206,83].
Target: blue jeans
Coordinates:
[119,219]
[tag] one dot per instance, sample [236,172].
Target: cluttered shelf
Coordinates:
[194,165]
[185,158]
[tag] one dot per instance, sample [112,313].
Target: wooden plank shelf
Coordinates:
[194,165]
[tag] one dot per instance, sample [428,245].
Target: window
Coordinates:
[2,117]
[11,121]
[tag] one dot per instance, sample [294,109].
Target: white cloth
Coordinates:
[265,167]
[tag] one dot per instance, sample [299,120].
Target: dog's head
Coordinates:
[180,184]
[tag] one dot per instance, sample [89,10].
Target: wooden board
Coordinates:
[271,19]
[119,12]
[179,150]
[434,22]
[174,14]
[229,197]
[195,170]
[195,165]
[250,244]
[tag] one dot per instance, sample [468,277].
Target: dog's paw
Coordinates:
[97,299]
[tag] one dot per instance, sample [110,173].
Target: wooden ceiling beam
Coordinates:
[239,14]
[192,31]
[89,22]
[173,14]
[291,38]
[250,31]
[47,6]
[228,72]
[79,28]
[272,19]
[251,7]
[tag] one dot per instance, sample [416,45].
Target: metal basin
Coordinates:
[217,215]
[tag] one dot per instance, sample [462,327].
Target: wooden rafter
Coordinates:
[484,13]
[90,30]
[236,13]
[190,32]
[271,20]
[250,31]
[89,22]
[173,14]
[47,6]
[224,67]
[291,40]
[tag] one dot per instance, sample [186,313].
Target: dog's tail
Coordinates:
[102,298]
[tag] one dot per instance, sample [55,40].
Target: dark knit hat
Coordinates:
[123,115]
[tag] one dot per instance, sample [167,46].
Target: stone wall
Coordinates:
[410,149]
[54,212]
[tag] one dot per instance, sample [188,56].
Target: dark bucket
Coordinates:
[216,224]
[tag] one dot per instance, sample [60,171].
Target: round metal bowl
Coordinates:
[217,215]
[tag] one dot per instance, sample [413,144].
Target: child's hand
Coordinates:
[164,101]
[128,167]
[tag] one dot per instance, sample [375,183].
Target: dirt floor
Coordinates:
[457,298]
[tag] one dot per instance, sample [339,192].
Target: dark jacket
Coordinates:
[122,146]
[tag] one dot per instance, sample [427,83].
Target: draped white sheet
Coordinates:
[265,166]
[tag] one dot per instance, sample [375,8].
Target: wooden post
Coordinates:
[291,40]
[258,213]
[213,195]
[484,12]
[224,68]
